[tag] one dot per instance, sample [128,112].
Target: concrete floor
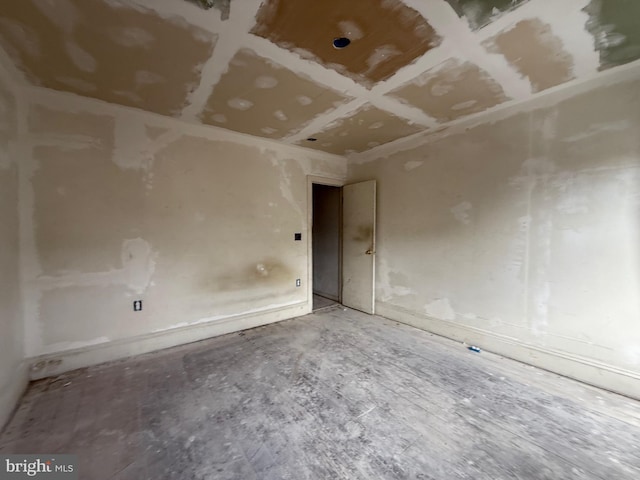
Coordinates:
[333,395]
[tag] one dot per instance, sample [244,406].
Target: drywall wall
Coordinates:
[121,205]
[522,236]
[12,368]
[326,241]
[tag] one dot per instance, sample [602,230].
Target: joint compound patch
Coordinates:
[440,309]
[461,212]
[412,165]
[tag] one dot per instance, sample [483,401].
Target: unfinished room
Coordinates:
[321,240]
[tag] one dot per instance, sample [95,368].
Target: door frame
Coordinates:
[332,182]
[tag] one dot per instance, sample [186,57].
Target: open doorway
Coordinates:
[342,243]
[327,245]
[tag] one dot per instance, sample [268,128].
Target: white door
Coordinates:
[358,245]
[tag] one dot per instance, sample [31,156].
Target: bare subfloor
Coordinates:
[333,395]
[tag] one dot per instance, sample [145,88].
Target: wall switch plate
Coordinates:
[298,283]
[297,236]
[137,305]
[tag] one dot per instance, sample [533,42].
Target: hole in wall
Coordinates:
[341,42]
[311,139]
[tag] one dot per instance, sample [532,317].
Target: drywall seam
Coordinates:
[547,98]
[10,74]
[598,374]
[206,19]
[333,80]
[135,274]
[524,11]
[459,42]
[456,31]
[28,254]
[411,113]
[325,121]
[294,62]
[21,109]
[54,364]
[576,39]
[70,102]
[10,396]
[434,57]
[241,21]
[210,75]
[527,248]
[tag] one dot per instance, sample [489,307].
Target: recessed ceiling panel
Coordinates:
[532,48]
[452,90]
[257,96]
[112,52]
[385,35]
[366,128]
[482,12]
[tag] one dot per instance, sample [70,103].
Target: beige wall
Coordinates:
[522,236]
[12,367]
[197,222]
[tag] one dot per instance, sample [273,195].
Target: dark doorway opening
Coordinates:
[327,252]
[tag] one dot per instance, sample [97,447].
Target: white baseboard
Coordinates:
[586,370]
[61,362]
[12,391]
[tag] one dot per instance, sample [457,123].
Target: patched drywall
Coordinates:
[196,222]
[12,373]
[106,50]
[522,236]
[385,36]
[270,68]
[262,98]
[482,12]
[68,139]
[532,48]
[452,90]
[614,26]
[363,129]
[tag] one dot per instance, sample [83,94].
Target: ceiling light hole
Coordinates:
[311,139]
[341,42]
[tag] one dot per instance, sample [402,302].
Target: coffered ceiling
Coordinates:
[270,68]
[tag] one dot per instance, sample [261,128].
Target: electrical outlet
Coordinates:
[137,305]
[298,283]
